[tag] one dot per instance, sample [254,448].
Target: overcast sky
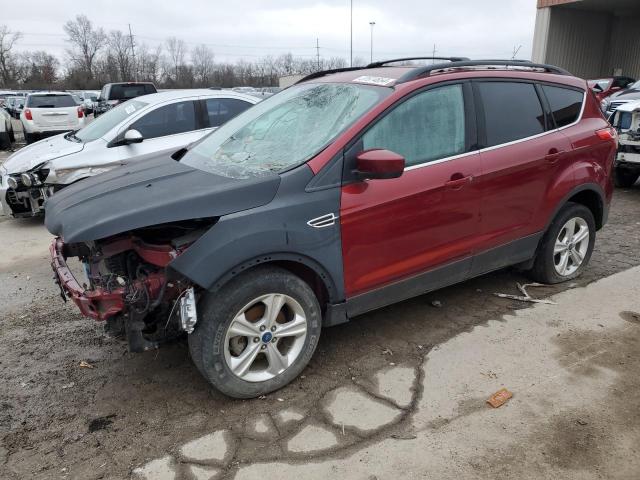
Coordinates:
[250,29]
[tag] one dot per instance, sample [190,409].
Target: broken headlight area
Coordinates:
[26,192]
[129,283]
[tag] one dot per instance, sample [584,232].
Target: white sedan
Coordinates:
[141,127]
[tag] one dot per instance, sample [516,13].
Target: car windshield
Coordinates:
[125,92]
[50,101]
[283,131]
[104,123]
[635,86]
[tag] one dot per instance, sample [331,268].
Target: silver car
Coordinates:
[144,126]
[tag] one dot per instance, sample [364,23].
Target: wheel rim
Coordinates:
[571,246]
[265,337]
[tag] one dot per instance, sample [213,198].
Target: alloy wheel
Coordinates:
[265,337]
[571,246]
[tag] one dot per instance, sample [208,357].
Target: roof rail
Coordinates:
[322,73]
[426,71]
[407,59]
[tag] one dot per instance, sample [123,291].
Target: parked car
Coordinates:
[612,102]
[606,87]
[18,107]
[7,136]
[626,119]
[10,104]
[50,113]
[342,194]
[89,98]
[113,94]
[160,123]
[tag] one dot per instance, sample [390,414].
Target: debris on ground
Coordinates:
[436,303]
[68,385]
[101,423]
[397,436]
[525,295]
[387,351]
[84,364]
[499,398]
[582,422]
[489,374]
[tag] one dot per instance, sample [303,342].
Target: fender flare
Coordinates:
[592,187]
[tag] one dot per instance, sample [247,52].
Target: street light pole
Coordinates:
[351,50]
[372,24]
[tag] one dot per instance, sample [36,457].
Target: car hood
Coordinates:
[150,192]
[43,151]
[626,95]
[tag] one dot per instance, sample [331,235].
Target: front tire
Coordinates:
[257,333]
[29,138]
[624,178]
[567,245]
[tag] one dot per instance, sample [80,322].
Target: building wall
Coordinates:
[623,50]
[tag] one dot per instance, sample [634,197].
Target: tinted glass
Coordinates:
[427,127]
[566,104]
[124,92]
[221,110]
[512,111]
[50,101]
[168,120]
[104,123]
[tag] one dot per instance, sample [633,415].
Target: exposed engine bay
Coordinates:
[129,283]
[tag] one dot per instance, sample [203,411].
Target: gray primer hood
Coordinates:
[146,193]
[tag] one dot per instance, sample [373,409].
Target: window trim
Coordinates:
[194,101]
[584,102]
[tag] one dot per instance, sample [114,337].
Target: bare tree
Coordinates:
[176,49]
[7,60]
[120,48]
[86,41]
[41,69]
[202,60]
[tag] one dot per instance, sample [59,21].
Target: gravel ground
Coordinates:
[58,420]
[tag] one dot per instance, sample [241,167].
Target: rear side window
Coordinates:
[168,120]
[220,110]
[427,127]
[566,104]
[50,101]
[512,111]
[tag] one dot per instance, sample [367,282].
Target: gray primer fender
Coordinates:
[277,230]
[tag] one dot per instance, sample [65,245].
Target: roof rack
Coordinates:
[407,59]
[426,71]
[322,73]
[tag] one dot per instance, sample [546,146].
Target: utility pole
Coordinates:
[515,51]
[351,49]
[318,52]
[372,24]
[133,54]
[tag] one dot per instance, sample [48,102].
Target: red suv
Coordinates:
[352,190]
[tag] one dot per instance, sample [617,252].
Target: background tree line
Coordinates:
[95,57]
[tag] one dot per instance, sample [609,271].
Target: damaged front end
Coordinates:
[130,284]
[26,193]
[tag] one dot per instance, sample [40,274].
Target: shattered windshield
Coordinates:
[284,130]
[104,123]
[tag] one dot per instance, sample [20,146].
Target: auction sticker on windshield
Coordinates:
[130,109]
[375,80]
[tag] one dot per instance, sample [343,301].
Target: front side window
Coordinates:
[427,127]
[284,130]
[168,120]
[221,110]
[512,111]
[566,104]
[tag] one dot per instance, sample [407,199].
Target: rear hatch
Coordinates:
[54,110]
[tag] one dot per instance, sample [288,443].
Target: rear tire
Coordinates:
[236,324]
[566,247]
[29,138]
[624,178]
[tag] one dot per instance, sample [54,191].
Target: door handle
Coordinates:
[554,155]
[458,181]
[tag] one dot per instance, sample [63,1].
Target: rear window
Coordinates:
[566,104]
[221,110]
[50,101]
[125,92]
[512,111]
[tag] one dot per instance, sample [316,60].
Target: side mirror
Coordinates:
[132,136]
[379,164]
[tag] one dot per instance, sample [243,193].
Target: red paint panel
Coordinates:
[392,229]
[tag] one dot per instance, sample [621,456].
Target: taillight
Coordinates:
[80,112]
[27,114]
[609,133]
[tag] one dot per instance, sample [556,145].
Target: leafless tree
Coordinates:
[202,60]
[86,41]
[7,59]
[176,49]
[120,48]
[41,69]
